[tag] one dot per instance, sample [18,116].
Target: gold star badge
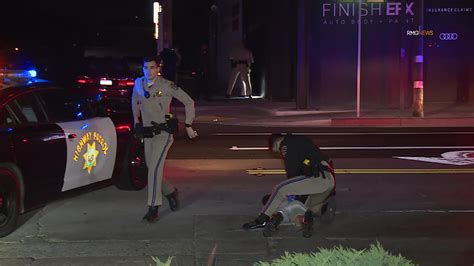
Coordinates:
[90,157]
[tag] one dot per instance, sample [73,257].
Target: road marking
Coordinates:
[371,171]
[405,211]
[237,148]
[451,158]
[429,211]
[349,133]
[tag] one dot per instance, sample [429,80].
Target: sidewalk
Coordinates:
[262,112]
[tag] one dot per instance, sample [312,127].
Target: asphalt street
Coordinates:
[420,207]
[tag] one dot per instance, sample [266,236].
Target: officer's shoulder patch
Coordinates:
[173,86]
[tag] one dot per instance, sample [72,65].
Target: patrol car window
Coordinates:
[5,119]
[62,105]
[27,109]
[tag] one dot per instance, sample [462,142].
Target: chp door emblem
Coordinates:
[90,157]
[89,148]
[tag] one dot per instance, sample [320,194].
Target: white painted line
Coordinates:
[398,148]
[415,211]
[407,211]
[451,158]
[236,148]
[349,133]
[430,211]
[459,162]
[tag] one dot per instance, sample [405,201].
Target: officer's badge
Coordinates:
[174,86]
[157,94]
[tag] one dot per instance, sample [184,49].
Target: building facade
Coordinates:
[307,50]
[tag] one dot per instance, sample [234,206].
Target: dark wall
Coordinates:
[449,63]
[270,30]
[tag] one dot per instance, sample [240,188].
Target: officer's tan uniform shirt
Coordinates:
[157,106]
[241,54]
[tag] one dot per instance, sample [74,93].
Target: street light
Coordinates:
[359,35]
[156,18]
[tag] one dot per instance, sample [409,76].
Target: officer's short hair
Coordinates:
[151,58]
[273,138]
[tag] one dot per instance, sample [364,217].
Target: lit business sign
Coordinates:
[420,32]
[89,141]
[448,36]
[449,10]
[342,12]
[156,18]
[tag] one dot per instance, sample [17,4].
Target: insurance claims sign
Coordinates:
[346,12]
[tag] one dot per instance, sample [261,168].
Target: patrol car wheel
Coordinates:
[134,172]
[9,205]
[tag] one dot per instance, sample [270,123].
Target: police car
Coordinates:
[52,142]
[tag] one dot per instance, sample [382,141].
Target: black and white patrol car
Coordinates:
[52,142]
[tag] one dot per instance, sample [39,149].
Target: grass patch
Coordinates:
[158,262]
[374,256]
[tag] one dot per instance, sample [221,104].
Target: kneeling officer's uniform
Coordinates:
[309,173]
[151,101]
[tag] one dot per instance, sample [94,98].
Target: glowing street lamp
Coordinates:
[156,18]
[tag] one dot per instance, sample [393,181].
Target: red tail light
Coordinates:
[122,128]
[126,83]
[85,80]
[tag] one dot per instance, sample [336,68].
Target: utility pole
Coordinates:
[418,81]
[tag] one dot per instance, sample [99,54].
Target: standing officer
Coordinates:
[308,173]
[151,100]
[241,59]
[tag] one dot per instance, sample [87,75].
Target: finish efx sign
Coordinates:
[372,11]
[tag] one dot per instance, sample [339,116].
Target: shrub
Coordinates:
[376,255]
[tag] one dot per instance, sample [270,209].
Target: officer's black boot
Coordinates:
[260,222]
[152,215]
[173,200]
[273,224]
[308,224]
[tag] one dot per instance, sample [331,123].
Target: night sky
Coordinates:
[59,31]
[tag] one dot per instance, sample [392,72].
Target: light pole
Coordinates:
[157,9]
[418,82]
[359,44]
[213,42]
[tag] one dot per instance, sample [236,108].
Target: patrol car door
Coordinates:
[91,141]
[39,149]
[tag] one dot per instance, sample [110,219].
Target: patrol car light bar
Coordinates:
[19,74]
[14,77]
